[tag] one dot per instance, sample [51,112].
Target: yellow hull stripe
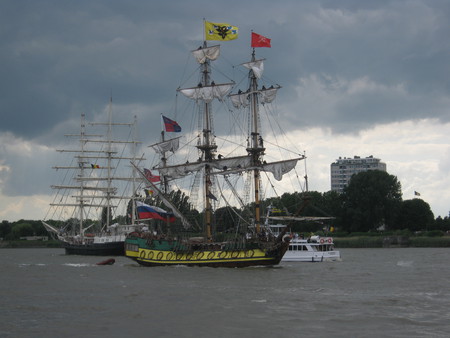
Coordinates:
[196,257]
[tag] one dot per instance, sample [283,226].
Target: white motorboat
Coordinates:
[311,249]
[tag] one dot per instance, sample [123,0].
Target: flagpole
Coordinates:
[163,157]
[162,128]
[204,30]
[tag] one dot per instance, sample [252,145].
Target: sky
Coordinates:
[359,78]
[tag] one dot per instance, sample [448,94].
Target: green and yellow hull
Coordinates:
[159,253]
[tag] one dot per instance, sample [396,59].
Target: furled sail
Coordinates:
[207,93]
[278,169]
[241,100]
[204,53]
[268,95]
[224,164]
[257,66]
[171,145]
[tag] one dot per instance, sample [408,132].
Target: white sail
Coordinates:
[257,66]
[241,100]
[268,95]
[278,169]
[224,164]
[206,53]
[207,93]
[171,145]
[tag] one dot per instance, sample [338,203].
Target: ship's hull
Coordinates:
[95,249]
[163,253]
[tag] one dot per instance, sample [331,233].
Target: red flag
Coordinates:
[171,125]
[260,41]
[148,175]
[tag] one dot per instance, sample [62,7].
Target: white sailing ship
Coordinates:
[84,215]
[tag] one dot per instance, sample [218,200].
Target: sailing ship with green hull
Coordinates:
[248,242]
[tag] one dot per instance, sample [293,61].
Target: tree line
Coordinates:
[371,202]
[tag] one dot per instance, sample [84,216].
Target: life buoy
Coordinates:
[321,241]
[249,253]
[330,240]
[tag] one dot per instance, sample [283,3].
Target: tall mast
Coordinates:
[109,154]
[256,149]
[207,146]
[205,93]
[81,163]
[164,160]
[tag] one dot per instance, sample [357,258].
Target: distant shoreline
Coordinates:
[392,242]
[30,244]
[339,242]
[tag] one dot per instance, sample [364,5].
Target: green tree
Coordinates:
[5,229]
[371,199]
[442,224]
[226,218]
[415,215]
[21,230]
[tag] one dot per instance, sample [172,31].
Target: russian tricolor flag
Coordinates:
[146,211]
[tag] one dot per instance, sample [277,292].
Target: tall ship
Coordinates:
[93,209]
[221,224]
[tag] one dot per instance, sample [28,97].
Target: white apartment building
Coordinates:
[343,169]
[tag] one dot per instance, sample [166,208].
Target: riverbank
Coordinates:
[392,242]
[30,244]
[339,242]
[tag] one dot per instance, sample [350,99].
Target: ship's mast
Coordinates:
[81,164]
[164,179]
[205,92]
[256,148]
[207,146]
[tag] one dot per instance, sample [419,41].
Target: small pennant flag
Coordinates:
[260,41]
[416,193]
[220,31]
[95,166]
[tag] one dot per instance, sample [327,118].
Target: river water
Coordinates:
[370,293]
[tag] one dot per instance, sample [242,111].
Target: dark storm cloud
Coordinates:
[344,65]
[61,58]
